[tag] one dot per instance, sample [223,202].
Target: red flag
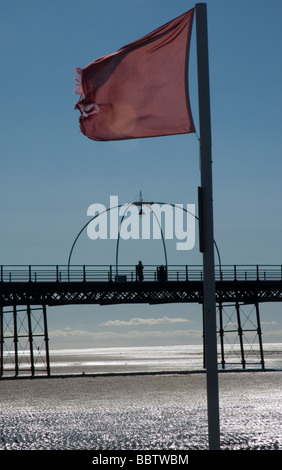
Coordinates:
[142,89]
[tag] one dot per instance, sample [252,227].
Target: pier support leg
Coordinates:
[240,333]
[46,340]
[221,334]
[259,336]
[16,353]
[30,339]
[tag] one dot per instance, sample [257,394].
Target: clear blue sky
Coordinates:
[51,173]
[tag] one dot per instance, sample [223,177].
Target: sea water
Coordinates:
[127,359]
[180,358]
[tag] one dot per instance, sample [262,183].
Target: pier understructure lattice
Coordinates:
[24,341]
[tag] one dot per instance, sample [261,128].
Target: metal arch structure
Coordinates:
[137,203]
[83,228]
[198,219]
[107,210]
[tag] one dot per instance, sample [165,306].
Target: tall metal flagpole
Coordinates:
[206,227]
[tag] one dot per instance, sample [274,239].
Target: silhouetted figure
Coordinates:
[139,271]
[161,273]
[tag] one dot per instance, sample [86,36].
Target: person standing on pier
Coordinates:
[139,271]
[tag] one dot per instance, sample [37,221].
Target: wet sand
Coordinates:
[140,411]
[191,386]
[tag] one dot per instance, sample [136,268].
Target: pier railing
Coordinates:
[109,273]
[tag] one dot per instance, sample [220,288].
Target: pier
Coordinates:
[28,291]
